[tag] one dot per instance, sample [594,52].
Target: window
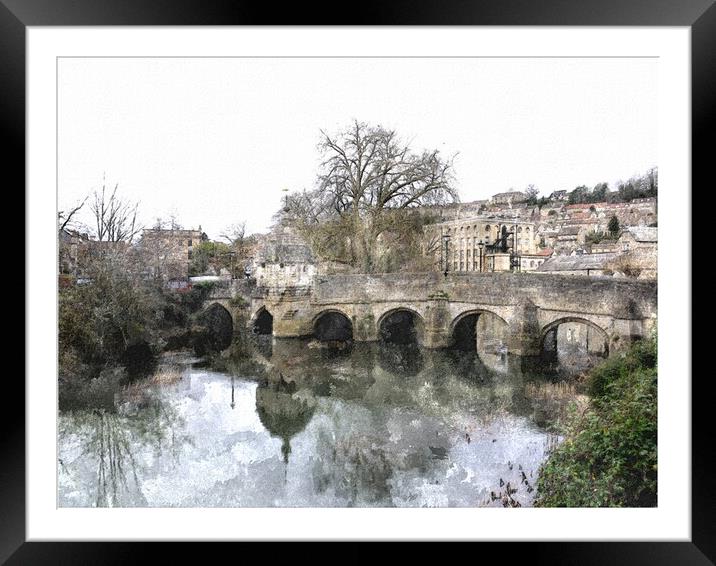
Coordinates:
[189,243]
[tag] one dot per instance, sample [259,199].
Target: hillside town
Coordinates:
[504,233]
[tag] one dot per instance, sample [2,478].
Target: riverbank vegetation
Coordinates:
[609,455]
[114,324]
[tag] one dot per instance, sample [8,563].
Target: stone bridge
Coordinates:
[528,306]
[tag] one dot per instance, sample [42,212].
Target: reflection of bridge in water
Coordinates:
[524,313]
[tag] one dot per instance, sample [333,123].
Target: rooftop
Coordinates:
[643,233]
[577,262]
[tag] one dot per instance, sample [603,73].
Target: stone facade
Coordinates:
[509,198]
[283,260]
[73,247]
[465,236]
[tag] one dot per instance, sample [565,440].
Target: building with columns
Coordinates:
[484,243]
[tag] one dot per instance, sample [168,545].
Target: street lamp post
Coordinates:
[481,245]
[446,239]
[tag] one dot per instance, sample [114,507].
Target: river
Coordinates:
[369,425]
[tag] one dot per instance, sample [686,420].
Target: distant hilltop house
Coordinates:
[509,198]
[169,251]
[558,195]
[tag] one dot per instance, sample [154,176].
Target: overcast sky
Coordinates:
[217,141]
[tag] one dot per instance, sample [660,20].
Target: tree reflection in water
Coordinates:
[113,442]
[401,359]
[282,411]
[355,467]
[112,448]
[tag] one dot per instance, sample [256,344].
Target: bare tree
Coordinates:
[366,172]
[235,234]
[65,219]
[115,218]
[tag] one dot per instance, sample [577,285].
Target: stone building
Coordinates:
[639,249]
[73,246]
[167,253]
[470,241]
[283,260]
[508,198]
[579,264]
[456,210]
[638,212]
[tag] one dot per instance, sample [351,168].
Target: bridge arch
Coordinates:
[594,340]
[262,321]
[218,329]
[332,324]
[473,312]
[401,325]
[478,330]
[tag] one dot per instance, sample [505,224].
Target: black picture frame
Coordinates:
[17,15]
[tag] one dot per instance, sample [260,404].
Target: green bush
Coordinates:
[609,458]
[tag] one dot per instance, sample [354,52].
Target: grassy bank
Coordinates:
[608,458]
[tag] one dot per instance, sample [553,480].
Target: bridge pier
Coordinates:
[625,331]
[364,323]
[436,333]
[524,331]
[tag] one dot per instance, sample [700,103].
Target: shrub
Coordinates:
[609,458]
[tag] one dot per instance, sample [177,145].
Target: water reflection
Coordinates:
[283,413]
[363,425]
[401,360]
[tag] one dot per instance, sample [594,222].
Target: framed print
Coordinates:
[396,278]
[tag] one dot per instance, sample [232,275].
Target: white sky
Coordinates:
[216,141]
